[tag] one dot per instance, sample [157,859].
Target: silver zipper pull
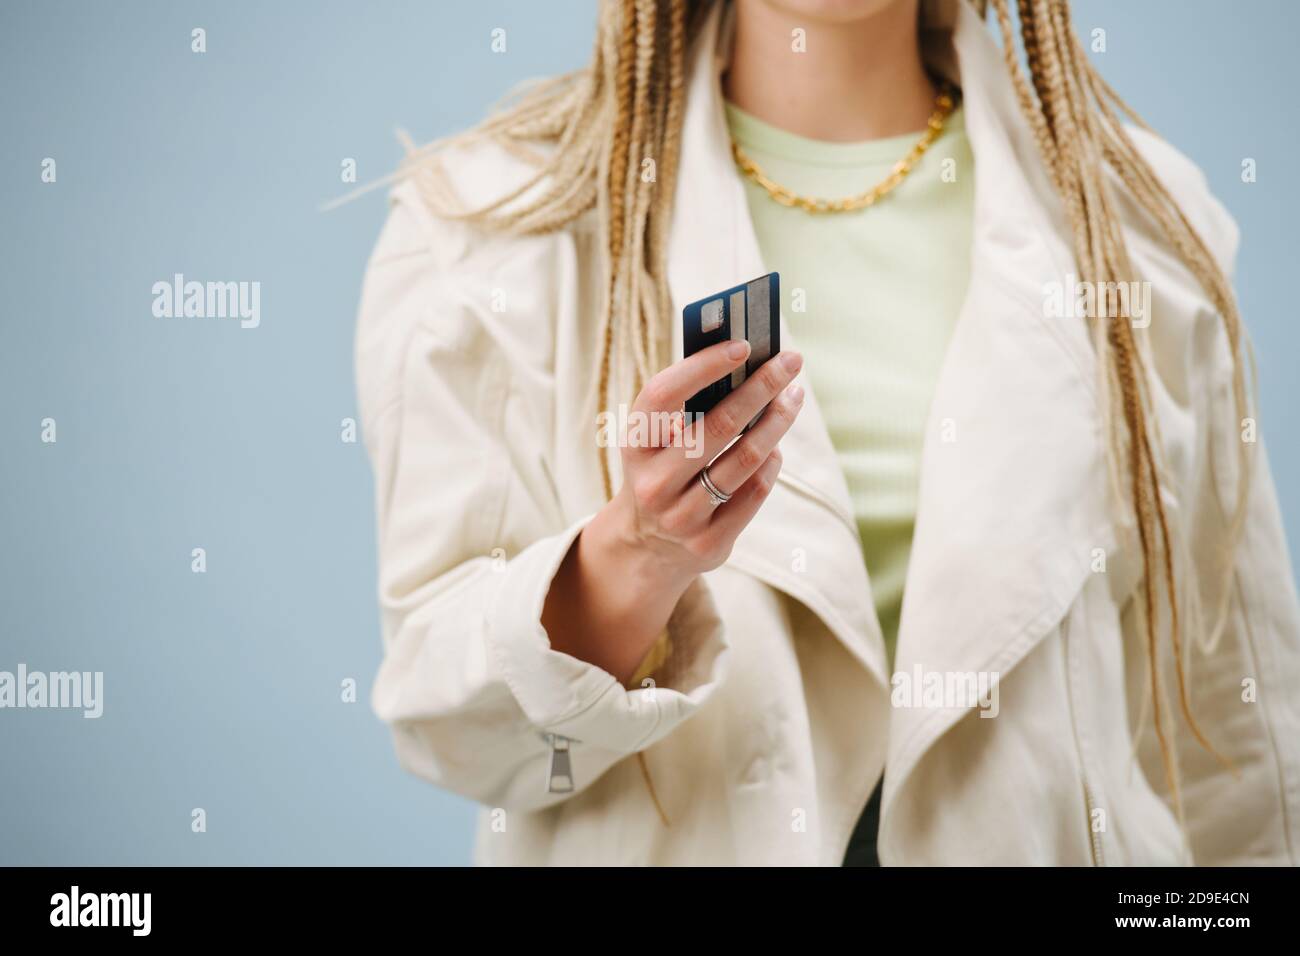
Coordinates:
[560,777]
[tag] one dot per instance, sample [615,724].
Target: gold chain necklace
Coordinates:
[944,104]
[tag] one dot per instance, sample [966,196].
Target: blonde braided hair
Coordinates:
[605,123]
[1075,118]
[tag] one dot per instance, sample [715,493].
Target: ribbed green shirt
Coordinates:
[871,299]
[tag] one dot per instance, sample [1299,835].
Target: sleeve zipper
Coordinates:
[559,777]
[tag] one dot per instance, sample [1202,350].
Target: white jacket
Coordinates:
[772,720]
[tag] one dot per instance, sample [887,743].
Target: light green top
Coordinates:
[870,299]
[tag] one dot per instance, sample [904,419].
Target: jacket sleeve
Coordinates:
[1242,684]
[1242,680]
[469,683]
[1254,814]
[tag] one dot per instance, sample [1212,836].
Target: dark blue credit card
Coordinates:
[750,311]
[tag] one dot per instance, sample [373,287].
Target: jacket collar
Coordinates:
[1013,487]
[804,541]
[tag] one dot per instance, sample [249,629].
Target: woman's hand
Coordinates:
[619,583]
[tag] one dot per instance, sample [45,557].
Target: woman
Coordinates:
[1013,390]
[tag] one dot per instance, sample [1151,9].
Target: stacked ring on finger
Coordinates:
[718,496]
[738,464]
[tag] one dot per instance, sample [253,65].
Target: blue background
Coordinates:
[223,689]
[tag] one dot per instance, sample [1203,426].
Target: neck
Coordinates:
[857,79]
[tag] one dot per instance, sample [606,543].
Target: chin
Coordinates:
[833,11]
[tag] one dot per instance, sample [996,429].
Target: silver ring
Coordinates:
[719,496]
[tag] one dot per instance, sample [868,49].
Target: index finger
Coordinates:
[668,390]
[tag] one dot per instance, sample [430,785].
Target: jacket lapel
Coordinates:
[804,540]
[1013,495]
[1013,489]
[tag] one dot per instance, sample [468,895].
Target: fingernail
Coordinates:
[791,360]
[796,393]
[737,350]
